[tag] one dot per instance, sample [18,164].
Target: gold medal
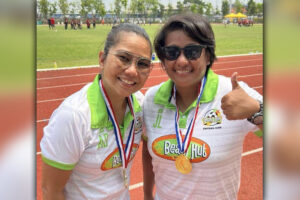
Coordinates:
[125,179]
[183,164]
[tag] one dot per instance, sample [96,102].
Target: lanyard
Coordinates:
[124,152]
[184,142]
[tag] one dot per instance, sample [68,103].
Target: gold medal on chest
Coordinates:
[183,164]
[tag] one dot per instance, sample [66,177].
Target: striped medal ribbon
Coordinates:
[124,152]
[182,163]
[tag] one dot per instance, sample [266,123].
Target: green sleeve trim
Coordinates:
[259,133]
[57,164]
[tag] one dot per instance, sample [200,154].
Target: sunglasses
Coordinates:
[142,64]
[191,52]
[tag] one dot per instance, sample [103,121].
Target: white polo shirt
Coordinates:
[80,137]
[215,149]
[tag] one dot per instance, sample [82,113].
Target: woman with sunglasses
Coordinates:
[92,137]
[197,120]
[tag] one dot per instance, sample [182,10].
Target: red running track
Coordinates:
[54,86]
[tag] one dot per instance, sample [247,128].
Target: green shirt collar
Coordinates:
[99,115]
[163,94]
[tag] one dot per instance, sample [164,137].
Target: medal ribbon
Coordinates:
[124,153]
[183,143]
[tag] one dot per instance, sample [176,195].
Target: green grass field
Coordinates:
[80,47]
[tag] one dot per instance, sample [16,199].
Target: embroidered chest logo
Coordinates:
[212,119]
[113,160]
[103,140]
[166,147]
[158,118]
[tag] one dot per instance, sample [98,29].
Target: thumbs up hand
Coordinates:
[237,104]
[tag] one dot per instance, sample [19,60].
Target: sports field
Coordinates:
[80,47]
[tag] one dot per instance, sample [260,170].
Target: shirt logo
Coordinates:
[103,140]
[166,147]
[113,160]
[212,118]
[158,119]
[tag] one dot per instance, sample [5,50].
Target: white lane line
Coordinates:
[42,120]
[235,61]
[137,185]
[152,77]
[260,74]
[57,86]
[252,151]
[144,88]
[158,68]
[249,66]
[67,76]
[50,100]
[93,66]
[140,184]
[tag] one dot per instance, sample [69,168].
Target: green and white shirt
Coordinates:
[215,149]
[80,137]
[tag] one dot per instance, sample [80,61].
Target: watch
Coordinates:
[257,118]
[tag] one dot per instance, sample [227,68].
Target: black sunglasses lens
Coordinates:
[192,52]
[171,53]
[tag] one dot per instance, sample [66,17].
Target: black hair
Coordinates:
[194,26]
[113,36]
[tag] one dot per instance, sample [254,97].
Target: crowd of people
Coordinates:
[75,23]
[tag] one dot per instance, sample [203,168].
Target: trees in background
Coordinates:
[151,9]
[225,7]
[117,9]
[99,8]
[42,5]
[238,6]
[63,6]
[259,8]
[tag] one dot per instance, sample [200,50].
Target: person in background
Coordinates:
[49,23]
[91,138]
[197,120]
[94,22]
[52,23]
[88,24]
[66,23]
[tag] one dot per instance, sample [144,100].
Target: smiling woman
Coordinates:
[92,137]
[203,118]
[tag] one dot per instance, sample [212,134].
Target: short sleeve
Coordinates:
[63,140]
